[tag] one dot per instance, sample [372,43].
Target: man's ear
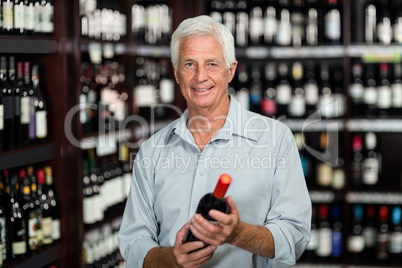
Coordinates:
[232,71]
[175,76]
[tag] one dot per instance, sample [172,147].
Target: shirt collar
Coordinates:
[239,122]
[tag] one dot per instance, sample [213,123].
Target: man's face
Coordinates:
[202,73]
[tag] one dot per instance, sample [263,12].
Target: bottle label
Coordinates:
[324,174]
[30,17]
[19,248]
[297,106]
[397,95]
[39,18]
[1,116]
[283,94]
[370,168]
[370,95]
[336,244]
[383,246]
[356,244]
[395,245]
[311,93]
[384,100]
[47,19]
[32,133]
[325,242]
[41,124]
[33,226]
[47,230]
[24,110]
[333,25]
[8,15]
[356,92]
[167,90]
[370,235]
[338,180]
[56,229]
[19,16]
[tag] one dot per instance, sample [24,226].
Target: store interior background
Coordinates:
[324,68]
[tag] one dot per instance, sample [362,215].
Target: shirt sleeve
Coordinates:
[289,218]
[139,229]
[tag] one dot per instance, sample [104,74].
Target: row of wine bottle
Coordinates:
[105,185]
[294,90]
[151,22]
[297,89]
[26,17]
[282,23]
[23,109]
[102,22]
[100,247]
[329,173]
[103,99]
[374,234]
[376,89]
[29,212]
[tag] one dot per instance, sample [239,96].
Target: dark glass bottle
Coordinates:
[371,165]
[19,17]
[16,95]
[36,210]
[395,245]
[41,128]
[47,215]
[283,90]
[370,227]
[396,88]
[337,232]
[50,191]
[356,90]
[4,247]
[7,99]
[383,236]
[23,134]
[297,105]
[18,221]
[311,89]
[210,201]
[324,248]
[384,102]
[356,242]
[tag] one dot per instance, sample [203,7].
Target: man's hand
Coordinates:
[182,254]
[224,231]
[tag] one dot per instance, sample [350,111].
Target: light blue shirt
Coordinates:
[171,174]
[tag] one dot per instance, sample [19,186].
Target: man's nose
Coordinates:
[201,74]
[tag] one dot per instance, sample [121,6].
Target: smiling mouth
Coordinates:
[202,89]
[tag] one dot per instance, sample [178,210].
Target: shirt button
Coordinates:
[196,205]
[201,173]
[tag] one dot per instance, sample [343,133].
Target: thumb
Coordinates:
[181,233]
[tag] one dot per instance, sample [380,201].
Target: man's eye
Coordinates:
[189,64]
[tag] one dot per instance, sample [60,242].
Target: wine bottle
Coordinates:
[268,102]
[355,244]
[1,121]
[18,228]
[370,95]
[47,17]
[53,200]
[41,108]
[397,27]
[396,88]
[304,158]
[297,18]
[326,104]
[383,236]
[283,90]
[371,164]
[36,210]
[357,158]
[16,95]
[311,89]
[297,105]
[324,248]
[7,98]
[29,16]
[309,254]
[384,101]
[356,90]
[324,171]
[256,30]
[47,220]
[19,17]
[255,90]
[284,34]
[384,29]
[8,16]
[395,244]
[333,22]
[210,201]
[270,24]
[337,232]
[370,29]
[370,232]
[32,100]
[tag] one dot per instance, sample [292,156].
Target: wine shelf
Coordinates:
[151,51]
[315,125]
[389,198]
[42,259]
[375,125]
[30,155]
[28,46]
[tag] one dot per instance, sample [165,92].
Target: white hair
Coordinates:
[203,26]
